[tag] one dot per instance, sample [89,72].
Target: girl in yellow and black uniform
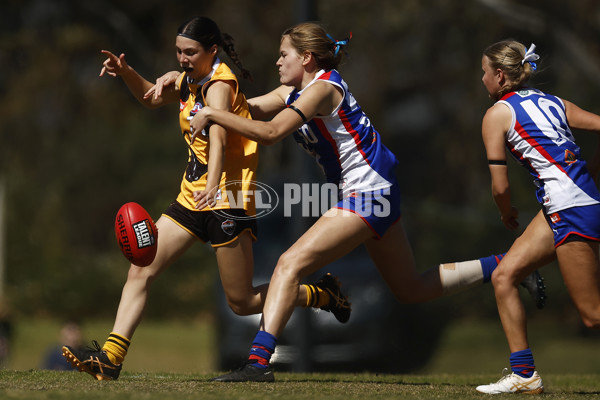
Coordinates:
[208,182]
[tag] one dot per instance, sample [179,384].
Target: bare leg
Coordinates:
[335,234]
[580,269]
[173,241]
[236,269]
[533,249]
[394,259]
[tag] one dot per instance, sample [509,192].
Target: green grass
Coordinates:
[149,386]
[472,352]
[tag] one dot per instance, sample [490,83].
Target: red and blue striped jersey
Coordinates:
[345,144]
[541,140]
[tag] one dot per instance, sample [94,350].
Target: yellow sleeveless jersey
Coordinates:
[236,189]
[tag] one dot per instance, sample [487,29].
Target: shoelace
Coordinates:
[505,375]
[96,346]
[94,359]
[340,301]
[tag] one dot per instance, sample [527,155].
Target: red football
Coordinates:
[136,234]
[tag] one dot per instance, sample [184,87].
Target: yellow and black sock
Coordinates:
[116,347]
[315,296]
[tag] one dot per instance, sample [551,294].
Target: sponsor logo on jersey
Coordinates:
[196,108]
[228,226]
[570,157]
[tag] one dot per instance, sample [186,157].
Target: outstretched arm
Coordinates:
[265,107]
[138,85]
[320,98]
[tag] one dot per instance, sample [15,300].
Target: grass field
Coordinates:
[70,385]
[182,361]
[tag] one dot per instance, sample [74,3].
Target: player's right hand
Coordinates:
[113,65]
[510,220]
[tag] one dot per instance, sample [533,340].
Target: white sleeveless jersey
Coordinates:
[541,140]
[345,144]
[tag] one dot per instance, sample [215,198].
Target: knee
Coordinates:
[240,306]
[502,280]
[288,267]
[591,321]
[140,275]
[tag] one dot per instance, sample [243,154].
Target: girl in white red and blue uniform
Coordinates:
[352,155]
[315,103]
[535,127]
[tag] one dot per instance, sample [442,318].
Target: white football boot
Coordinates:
[513,383]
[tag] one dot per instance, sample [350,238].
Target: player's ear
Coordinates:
[307,56]
[500,75]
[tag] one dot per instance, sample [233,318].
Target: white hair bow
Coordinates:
[530,56]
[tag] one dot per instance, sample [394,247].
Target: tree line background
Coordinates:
[74,146]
